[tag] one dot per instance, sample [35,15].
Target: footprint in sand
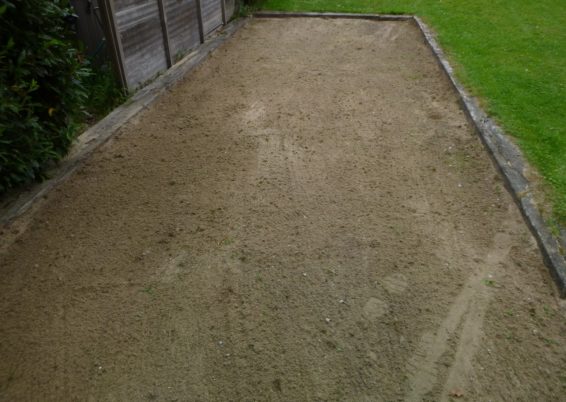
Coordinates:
[375,308]
[395,283]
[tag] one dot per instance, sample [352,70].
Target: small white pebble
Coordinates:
[327,320]
[341,301]
[304,274]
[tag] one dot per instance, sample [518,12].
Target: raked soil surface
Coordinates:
[308,216]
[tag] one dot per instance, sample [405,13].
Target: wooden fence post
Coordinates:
[223,7]
[164,28]
[113,40]
[199,17]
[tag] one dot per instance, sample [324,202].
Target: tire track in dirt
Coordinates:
[463,323]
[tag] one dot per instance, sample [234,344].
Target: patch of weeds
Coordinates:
[330,271]
[554,227]
[460,160]
[549,341]
[396,229]
[489,282]
[178,57]
[226,241]
[104,93]
[548,311]
[414,76]
[498,189]
[247,8]
[239,255]
[149,289]
[11,377]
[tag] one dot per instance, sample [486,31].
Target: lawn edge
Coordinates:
[505,155]
[509,161]
[94,137]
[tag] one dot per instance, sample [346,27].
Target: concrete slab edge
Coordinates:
[287,14]
[102,131]
[510,162]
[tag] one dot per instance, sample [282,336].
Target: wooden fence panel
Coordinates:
[211,15]
[139,28]
[182,25]
[147,37]
[230,6]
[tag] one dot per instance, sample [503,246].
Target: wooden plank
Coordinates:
[211,15]
[140,29]
[182,25]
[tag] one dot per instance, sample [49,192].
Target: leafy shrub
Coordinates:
[41,87]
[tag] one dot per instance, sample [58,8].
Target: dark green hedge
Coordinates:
[41,87]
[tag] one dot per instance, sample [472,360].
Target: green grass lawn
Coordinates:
[509,53]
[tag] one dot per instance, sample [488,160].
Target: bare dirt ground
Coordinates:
[307,217]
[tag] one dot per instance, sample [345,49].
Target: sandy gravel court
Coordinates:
[308,216]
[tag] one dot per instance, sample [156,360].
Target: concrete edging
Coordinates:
[102,131]
[376,17]
[505,155]
[510,162]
